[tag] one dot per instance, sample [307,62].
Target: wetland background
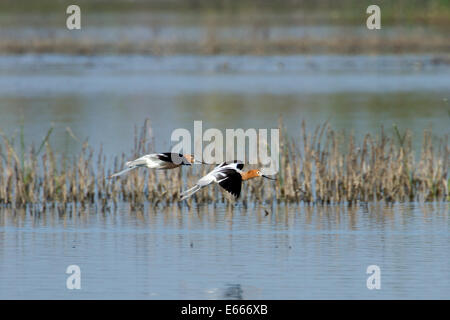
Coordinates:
[231,64]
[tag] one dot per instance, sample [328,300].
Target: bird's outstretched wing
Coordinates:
[235,164]
[176,158]
[230,180]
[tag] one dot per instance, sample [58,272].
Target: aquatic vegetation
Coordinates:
[320,167]
[214,44]
[226,27]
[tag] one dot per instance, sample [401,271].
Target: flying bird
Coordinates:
[166,160]
[228,175]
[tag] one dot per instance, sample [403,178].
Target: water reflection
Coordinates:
[285,217]
[234,292]
[231,252]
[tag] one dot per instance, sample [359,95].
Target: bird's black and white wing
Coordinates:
[175,158]
[230,180]
[139,162]
[235,164]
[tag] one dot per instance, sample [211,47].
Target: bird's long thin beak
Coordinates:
[200,162]
[268,177]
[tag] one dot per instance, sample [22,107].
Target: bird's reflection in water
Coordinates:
[233,291]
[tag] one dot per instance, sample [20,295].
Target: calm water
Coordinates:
[292,253]
[355,93]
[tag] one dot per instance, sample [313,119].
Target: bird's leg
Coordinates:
[186,194]
[121,172]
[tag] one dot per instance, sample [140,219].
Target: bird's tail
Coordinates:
[186,194]
[121,172]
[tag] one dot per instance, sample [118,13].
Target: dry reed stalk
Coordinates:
[323,167]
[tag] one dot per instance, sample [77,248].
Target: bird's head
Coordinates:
[254,174]
[191,159]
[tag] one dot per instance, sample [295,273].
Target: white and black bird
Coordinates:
[228,175]
[166,160]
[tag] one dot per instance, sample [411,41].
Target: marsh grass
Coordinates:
[214,44]
[322,167]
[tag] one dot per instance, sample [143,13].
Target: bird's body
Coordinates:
[165,160]
[228,175]
[162,161]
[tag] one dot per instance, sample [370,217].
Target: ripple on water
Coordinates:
[227,253]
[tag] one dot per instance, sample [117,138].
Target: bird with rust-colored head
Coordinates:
[228,175]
